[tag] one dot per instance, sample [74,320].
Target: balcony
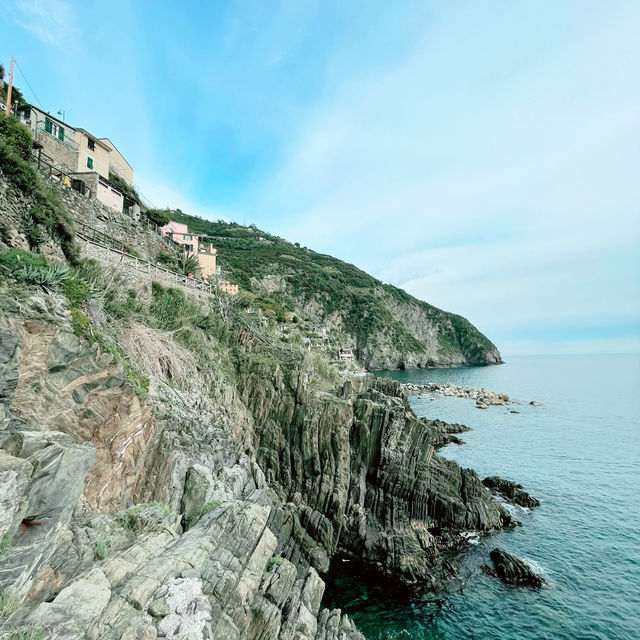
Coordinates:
[70,144]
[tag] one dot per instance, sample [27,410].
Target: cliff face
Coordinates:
[170,466]
[215,516]
[387,327]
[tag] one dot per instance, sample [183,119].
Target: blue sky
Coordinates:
[482,155]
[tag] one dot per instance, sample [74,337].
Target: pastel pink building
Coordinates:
[179,233]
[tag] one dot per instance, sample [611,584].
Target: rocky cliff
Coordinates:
[386,326]
[170,467]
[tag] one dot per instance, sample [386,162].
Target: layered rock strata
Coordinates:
[253,497]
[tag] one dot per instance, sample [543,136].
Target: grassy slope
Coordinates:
[362,300]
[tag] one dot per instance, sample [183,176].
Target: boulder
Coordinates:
[511,491]
[514,571]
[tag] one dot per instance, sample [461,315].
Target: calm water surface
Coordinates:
[580,454]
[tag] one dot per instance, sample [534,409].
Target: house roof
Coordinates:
[109,142]
[46,113]
[90,135]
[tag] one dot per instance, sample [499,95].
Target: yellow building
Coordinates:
[93,154]
[117,163]
[207,260]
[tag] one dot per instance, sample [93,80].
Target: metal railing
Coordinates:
[49,170]
[40,128]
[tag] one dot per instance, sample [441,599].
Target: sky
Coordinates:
[483,156]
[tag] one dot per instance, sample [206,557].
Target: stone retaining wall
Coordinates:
[138,273]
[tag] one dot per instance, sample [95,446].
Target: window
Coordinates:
[47,125]
[89,162]
[187,236]
[91,144]
[61,133]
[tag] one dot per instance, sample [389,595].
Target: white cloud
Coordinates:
[508,197]
[51,21]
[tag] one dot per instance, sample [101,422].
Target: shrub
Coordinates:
[16,135]
[168,260]
[80,324]
[276,561]
[123,187]
[188,263]
[157,216]
[49,211]
[210,506]
[133,519]
[24,632]
[77,290]
[10,601]
[100,550]
[27,267]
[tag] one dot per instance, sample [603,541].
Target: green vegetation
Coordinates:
[364,303]
[210,506]
[133,518]
[16,136]
[159,217]
[83,328]
[24,632]
[276,561]
[169,261]
[10,601]
[100,550]
[123,187]
[188,263]
[47,218]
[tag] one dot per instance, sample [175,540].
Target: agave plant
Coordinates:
[188,263]
[49,276]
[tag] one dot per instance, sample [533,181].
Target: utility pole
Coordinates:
[9,89]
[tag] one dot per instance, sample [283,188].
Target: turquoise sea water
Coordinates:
[579,452]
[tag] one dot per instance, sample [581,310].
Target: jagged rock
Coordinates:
[197,488]
[511,491]
[293,471]
[59,470]
[15,474]
[513,571]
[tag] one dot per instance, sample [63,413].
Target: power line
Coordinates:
[29,85]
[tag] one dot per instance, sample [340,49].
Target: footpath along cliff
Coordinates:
[171,468]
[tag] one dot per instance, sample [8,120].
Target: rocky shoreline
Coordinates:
[483,397]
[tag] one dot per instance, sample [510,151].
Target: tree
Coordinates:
[188,263]
[157,216]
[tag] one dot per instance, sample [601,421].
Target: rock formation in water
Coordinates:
[170,467]
[513,571]
[511,491]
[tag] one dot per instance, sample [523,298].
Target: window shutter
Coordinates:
[47,125]
[61,133]
[90,163]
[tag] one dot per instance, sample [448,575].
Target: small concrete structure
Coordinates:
[346,355]
[228,287]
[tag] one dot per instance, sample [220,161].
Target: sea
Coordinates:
[579,453]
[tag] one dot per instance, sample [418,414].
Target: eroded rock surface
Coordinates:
[513,571]
[181,517]
[511,491]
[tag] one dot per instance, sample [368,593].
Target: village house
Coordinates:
[200,246]
[194,245]
[86,160]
